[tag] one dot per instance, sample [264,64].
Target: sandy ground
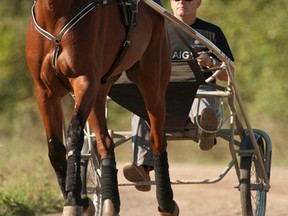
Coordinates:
[218,199]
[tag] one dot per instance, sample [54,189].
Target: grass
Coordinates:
[29,200]
[28,186]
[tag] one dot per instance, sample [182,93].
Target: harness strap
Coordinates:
[116,63]
[63,31]
[129,10]
[73,22]
[126,43]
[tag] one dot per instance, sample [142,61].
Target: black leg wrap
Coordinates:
[61,177]
[164,191]
[75,138]
[73,180]
[84,165]
[109,183]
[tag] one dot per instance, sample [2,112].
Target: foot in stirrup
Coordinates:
[209,122]
[134,173]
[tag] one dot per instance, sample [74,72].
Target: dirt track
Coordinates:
[219,199]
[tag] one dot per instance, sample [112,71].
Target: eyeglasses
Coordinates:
[184,0]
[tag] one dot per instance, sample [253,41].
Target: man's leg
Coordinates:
[206,110]
[142,154]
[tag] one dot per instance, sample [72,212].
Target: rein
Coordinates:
[69,25]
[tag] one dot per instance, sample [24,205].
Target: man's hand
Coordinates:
[205,60]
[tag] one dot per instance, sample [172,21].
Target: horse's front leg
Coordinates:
[52,116]
[105,150]
[85,95]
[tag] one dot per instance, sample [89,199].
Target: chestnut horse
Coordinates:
[70,47]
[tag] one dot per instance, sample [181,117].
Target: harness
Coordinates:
[129,14]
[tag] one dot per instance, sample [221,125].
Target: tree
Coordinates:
[257,34]
[16,85]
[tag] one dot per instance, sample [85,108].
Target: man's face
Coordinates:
[182,8]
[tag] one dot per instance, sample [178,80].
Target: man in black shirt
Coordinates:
[205,109]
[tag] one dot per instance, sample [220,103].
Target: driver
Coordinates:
[208,113]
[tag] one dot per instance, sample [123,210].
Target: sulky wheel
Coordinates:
[252,191]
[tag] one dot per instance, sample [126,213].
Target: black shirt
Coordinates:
[181,54]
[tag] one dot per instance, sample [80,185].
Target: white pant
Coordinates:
[143,154]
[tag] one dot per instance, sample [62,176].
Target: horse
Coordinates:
[83,46]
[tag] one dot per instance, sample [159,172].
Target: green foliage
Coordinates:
[21,201]
[29,197]
[10,206]
[15,82]
[256,32]
[27,183]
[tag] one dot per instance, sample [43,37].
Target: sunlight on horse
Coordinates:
[86,57]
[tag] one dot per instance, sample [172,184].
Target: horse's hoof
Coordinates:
[90,211]
[174,213]
[72,211]
[108,208]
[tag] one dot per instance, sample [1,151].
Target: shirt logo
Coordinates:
[181,55]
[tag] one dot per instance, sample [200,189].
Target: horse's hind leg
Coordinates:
[164,191]
[154,96]
[152,79]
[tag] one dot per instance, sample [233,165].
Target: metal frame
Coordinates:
[228,134]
